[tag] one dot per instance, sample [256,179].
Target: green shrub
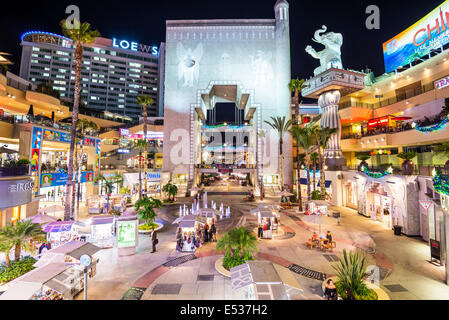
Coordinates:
[316,195]
[148,227]
[23,162]
[168,201]
[363,293]
[16,269]
[231,261]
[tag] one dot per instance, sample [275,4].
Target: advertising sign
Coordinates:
[442,83]
[134,46]
[60,179]
[15,192]
[126,233]
[435,249]
[158,160]
[51,135]
[431,32]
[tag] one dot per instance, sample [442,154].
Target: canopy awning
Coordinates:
[59,226]
[102,220]
[21,291]
[76,249]
[187,224]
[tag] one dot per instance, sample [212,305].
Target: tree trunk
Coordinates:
[281,159]
[314,175]
[146,147]
[7,259]
[323,178]
[140,175]
[68,212]
[75,181]
[308,179]
[17,251]
[78,178]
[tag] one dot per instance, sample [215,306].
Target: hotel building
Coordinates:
[115,71]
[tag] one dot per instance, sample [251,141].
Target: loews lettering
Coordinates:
[21,187]
[134,46]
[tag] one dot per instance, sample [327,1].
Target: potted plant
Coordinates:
[145,211]
[239,245]
[363,158]
[408,167]
[351,273]
[172,191]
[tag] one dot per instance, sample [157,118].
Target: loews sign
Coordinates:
[15,192]
[134,46]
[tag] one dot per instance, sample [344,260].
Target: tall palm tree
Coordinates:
[314,157]
[6,247]
[83,126]
[296,86]
[323,136]
[304,138]
[262,135]
[20,236]
[107,185]
[281,125]
[141,145]
[80,37]
[145,101]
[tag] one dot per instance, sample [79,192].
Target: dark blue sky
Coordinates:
[144,22]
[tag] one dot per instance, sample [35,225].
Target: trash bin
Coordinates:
[397,230]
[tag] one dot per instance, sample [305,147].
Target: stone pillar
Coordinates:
[330,118]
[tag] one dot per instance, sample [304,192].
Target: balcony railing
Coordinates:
[421,170]
[386,102]
[225,166]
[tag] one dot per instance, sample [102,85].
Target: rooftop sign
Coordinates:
[431,32]
[134,46]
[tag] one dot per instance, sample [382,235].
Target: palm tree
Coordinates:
[20,235]
[80,36]
[171,189]
[83,126]
[304,138]
[314,157]
[145,209]
[145,101]
[6,247]
[141,144]
[323,136]
[107,185]
[262,135]
[281,125]
[238,245]
[296,86]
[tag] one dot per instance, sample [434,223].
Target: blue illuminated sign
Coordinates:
[134,46]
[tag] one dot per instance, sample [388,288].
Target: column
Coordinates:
[330,118]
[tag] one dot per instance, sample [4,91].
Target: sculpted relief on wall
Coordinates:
[262,68]
[189,65]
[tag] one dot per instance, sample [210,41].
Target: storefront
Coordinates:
[350,190]
[271,180]
[378,203]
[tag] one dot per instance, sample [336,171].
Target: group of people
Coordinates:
[327,237]
[195,239]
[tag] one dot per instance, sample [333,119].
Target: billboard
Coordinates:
[126,233]
[60,179]
[431,32]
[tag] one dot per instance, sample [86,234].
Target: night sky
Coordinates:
[144,22]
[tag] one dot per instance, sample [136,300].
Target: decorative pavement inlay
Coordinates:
[331,257]
[395,288]
[168,288]
[183,259]
[134,294]
[205,277]
[285,236]
[307,272]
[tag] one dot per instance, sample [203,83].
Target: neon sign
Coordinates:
[442,83]
[134,46]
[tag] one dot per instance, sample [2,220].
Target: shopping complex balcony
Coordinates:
[419,170]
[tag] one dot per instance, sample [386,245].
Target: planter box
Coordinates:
[149,231]
[219,267]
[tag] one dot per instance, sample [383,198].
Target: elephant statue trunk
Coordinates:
[317,36]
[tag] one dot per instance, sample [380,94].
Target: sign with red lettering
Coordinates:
[442,83]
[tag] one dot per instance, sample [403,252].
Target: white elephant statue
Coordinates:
[330,57]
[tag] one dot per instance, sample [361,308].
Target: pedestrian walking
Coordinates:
[154,240]
[260,231]
[213,232]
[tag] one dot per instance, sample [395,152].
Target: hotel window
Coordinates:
[36,49]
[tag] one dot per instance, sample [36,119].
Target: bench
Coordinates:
[311,243]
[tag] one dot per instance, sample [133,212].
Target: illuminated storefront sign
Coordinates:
[51,135]
[442,83]
[431,32]
[15,192]
[134,46]
[124,132]
[380,122]
[123,151]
